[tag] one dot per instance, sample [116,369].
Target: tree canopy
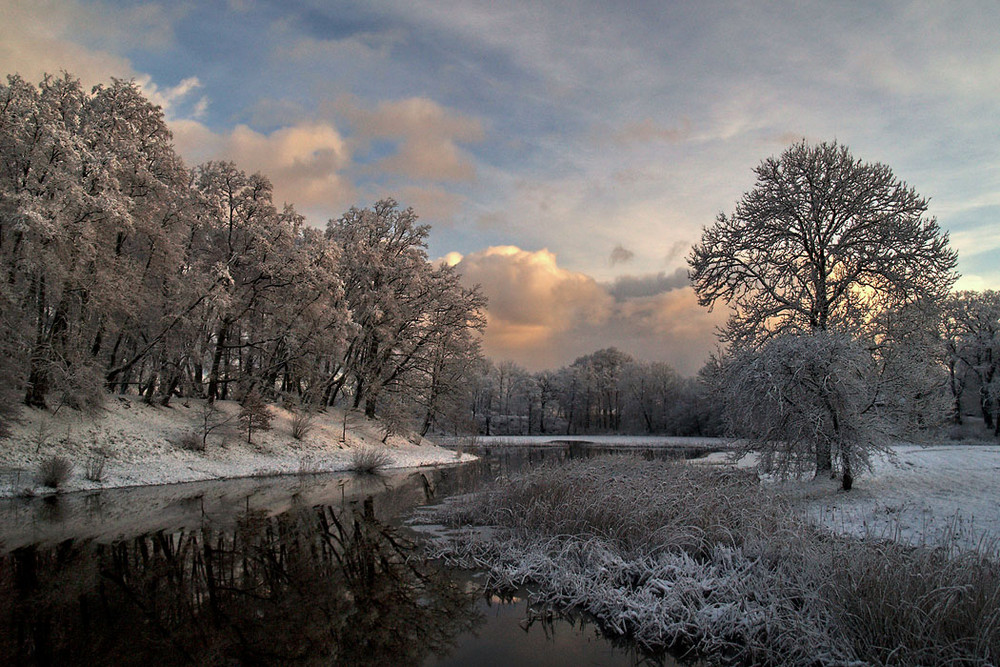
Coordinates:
[823,240]
[123,269]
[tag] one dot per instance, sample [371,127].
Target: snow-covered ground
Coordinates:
[142,443]
[930,495]
[933,495]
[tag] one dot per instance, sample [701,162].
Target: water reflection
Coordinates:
[311,586]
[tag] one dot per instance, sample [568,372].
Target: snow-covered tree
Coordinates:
[402,307]
[972,333]
[823,243]
[797,390]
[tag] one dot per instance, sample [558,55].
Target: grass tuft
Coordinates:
[54,471]
[370,460]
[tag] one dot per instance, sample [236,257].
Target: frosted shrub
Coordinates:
[302,424]
[54,471]
[370,460]
[95,464]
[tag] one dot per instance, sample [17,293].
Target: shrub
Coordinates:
[54,471]
[308,465]
[94,467]
[302,424]
[370,460]
[192,442]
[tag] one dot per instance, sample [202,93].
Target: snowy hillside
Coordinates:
[142,444]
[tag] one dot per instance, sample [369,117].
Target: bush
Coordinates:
[54,471]
[302,424]
[370,460]
[191,442]
[96,461]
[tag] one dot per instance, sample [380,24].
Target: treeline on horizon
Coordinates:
[607,391]
[126,271]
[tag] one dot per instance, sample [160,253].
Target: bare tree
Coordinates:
[823,242]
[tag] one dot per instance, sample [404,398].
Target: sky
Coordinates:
[566,154]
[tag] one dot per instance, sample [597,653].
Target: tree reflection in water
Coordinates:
[319,586]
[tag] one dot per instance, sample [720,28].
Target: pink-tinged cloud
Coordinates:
[305,162]
[544,316]
[428,136]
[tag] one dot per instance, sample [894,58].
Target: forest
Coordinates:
[126,271]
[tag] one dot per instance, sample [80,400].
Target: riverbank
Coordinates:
[707,559]
[130,443]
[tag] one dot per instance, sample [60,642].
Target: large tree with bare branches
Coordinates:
[825,243]
[823,240]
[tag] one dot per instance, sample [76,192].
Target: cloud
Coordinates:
[36,39]
[427,134]
[620,255]
[305,162]
[625,287]
[544,316]
[171,98]
[647,131]
[430,203]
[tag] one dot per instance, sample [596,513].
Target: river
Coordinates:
[310,569]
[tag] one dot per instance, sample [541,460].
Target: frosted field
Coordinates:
[926,495]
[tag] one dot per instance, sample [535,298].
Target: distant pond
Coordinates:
[314,569]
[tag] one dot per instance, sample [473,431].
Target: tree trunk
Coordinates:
[984,405]
[824,459]
[213,377]
[847,482]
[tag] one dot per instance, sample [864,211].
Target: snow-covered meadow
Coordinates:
[142,445]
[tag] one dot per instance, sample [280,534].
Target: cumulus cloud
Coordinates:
[544,316]
[620,254]
[35,39]
[428,137]
[531,297]
[305,162]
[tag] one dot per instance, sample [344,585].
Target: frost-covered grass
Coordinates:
[370,460]
[705,559]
